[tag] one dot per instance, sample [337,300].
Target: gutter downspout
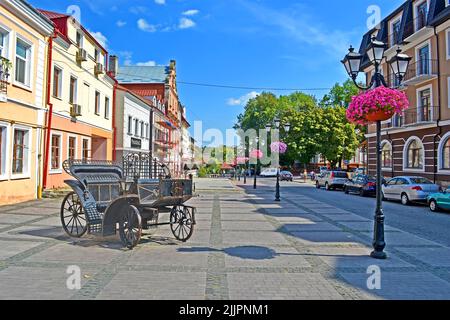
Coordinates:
[116,84]
[435,155]
[49,114]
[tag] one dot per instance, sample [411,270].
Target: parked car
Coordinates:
[323,169]
[270,172]
[332,180]
[362,184]
[408,189]
[439,201]
[286,176]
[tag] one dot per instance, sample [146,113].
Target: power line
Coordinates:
[224,86]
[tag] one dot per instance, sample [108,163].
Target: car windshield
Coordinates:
[285,172]
[340,174]
[420,181]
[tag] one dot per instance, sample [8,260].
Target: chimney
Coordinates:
[113,65]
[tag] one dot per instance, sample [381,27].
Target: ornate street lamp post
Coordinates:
[399,65]
[256,164]
[287,127]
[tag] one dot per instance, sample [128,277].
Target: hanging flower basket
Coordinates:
[278,147]
[379,104]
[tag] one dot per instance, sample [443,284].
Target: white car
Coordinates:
[270,172]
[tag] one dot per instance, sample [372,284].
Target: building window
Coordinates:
[146,131]
[130,125]
[423,59]
[421,15]
[414,156]
[72,147]
[2,150]
[56,152]
[142,129]
[447,39]
[395,37]
[79,39]
[3,43]
[386,155]
[23,60]
[57,82]
[97,103]
[136,127]
[73,90]
[106,108]
[85,150]
[19,151]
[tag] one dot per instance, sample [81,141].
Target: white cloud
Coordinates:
[160,2]
[186,23]
[242,101]
[145,26]
[127,56]
[192,12]
[100,38]
[120,23]
[146,64]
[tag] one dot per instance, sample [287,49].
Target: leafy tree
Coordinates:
[340,95]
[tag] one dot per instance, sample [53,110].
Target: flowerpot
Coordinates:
[380,115]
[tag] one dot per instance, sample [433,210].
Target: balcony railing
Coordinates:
[421,70]
[4,75]
[417,24]
[412,116]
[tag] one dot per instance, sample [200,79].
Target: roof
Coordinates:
[143,74]
[52,14]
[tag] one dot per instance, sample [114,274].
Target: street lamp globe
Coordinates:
[287,127]
[399,64]
[352,62]
[277,123]
[375,51]
[268,127]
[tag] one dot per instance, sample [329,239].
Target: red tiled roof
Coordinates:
[52,14]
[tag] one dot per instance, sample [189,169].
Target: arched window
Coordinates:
[446,155]
[386,155]
[414,155]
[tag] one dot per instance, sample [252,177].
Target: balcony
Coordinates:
[416,28]
[422,70]
[5,65]
[419,115]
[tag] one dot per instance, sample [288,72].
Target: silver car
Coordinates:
[331,180]
[408,189]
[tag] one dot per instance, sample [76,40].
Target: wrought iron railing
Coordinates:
[422,67]
[413,115]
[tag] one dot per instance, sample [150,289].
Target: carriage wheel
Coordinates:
[72,215]
[130,227]
[181,223]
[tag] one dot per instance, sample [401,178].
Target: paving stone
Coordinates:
[403,285]
[325,237]
[139,285]
[247,225]
[303,219]
[403,239]
[365,226]
[15,218]
[316,226]
[243,217]
[38,233]
[35,210]
[186,256]
[437,257]
[346,217]
[12,248]
[256,238]
[269,285]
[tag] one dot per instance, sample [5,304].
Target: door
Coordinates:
[401,187]
[389,189]
[423,67]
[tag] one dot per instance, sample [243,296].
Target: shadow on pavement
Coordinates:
[243,252]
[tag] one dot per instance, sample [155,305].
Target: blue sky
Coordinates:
[251,43]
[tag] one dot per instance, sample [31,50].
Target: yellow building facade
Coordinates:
[24,37]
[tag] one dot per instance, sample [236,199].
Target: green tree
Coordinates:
[340,95]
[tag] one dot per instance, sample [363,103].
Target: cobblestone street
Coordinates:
[245,246]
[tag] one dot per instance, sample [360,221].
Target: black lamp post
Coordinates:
[399,65]
[287,127]
[256,164]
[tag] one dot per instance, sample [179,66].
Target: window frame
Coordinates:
[60,82]
[107,107]
[383,144]
[69,137]
[406,149]
[6,50]
[26,172]
[75,91]
[4,150]
[97,105]
[83,150]
[59,168]
[28,63]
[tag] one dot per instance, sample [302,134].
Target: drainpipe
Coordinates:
[435,153]
[116,84]
[49,115]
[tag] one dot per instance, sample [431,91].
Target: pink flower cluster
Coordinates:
[278,147]
[256,154]
[242,160]
[391,101]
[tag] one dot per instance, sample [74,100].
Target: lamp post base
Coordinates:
[380,255]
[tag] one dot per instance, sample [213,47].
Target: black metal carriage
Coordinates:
[108,197]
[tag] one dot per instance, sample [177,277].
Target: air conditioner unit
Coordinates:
[81,55]
[75,110]
[99,68]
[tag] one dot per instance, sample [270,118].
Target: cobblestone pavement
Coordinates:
[245,246]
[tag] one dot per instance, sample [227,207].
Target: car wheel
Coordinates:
[433,206]
[317,185]
[346,190]
[362,193]
[405,199]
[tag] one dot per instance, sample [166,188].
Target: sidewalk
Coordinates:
[245,246]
